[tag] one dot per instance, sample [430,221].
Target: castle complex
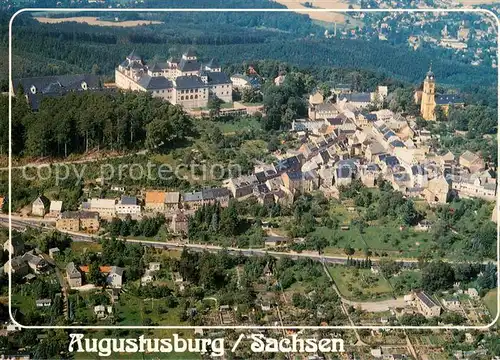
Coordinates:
[184,81]
[429,100]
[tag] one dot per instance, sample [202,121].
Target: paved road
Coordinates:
[21,223]
[337,259]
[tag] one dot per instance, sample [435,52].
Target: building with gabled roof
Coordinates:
[426,305]
[106,208]
[185,81]
[35,89]
[55,208]
[40,206]
[73,275]
[172,200]
[471,161]
[155,201]
[179,224]
[78,221]
[128,205]
[242,185]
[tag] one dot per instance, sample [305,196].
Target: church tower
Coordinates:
[428,103]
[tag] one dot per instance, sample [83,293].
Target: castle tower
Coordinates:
[428,103]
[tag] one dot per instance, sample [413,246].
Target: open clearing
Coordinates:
[321,4]
[91,20]
[491,303]
[360,284]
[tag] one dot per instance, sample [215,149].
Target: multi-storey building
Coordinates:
[186,81]
[426,305]
[77,221]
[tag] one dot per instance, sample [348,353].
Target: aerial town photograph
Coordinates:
[288,183]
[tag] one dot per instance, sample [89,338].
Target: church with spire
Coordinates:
[429,100]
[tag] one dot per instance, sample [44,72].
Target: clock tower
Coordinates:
[428,103]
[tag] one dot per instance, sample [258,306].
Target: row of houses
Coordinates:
[154,201]
[383,143]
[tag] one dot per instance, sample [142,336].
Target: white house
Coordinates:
[55,208]
[240,81]
[128,205]
[104,207]
[101,311]
[147,278]
[115,277]
[39,206]
[43,303]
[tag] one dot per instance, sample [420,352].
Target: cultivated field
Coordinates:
[96,22]
[323,4]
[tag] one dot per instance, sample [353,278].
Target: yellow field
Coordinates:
[323,4]
[93,21]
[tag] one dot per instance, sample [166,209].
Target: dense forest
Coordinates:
[78,122]
[232,37]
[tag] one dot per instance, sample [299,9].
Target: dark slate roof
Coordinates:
[156,67]
[72,270]
[79,215]
[269,173]
[216,193]
[54,86]
[213,63]
[388,134]
[418,170]
[154,82]
[261,189]
[261,176]
[133,56]
[372,167]
[370,117]
[129,200]
[254,82]
[348,163]
[194,196]
[448,99]
[51,84]
[426,299]
[136,65]
[344,172]
[324,156]
[398,143]
[391,161]
[356,97]
[383,128]
[401,177]
[295,175]
[287,164]
[189,82]
[190,53]
[335,121]
[189,65]
[216,78]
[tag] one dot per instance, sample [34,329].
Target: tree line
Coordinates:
[78,122]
